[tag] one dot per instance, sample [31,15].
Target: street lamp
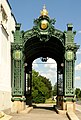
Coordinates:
[44,59]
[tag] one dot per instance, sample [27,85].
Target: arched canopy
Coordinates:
[43,40]
[34,48]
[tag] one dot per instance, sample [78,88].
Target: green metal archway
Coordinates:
[43,40]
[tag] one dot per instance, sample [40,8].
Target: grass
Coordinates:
[49,101]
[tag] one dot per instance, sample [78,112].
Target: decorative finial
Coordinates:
[44,12]
[44,7]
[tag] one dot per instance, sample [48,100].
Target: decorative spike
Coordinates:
[44,12]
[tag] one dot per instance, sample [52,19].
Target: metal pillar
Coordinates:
[70,57]
[60,84]
[18,99]
[28,92]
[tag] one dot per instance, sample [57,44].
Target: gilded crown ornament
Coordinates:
[44,12]
[44,24]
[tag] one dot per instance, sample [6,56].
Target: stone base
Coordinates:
[60,102]
[18,106]
[69,106]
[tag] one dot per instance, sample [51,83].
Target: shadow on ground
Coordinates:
[44,107]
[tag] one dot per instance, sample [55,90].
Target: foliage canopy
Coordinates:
[41,88]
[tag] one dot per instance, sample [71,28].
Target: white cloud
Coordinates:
[51,64]
[50,60]
[79,31]
[34,65]
[78,67]
[52,71]
[78,52]
[50,74]
[78,78]
[47,70]
[47,74]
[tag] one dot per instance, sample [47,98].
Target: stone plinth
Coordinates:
[69,106]
[18,106]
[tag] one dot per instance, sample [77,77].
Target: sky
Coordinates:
[64,11]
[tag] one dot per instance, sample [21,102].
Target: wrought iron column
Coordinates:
[18,74]
[60,84]
[70,57]
[28,84]
[17,67]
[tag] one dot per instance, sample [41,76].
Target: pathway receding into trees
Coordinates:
[40,113]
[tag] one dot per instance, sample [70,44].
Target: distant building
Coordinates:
[7,25]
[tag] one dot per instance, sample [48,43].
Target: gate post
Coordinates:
[60,87]
[28,82]
[18,99]
[69,64]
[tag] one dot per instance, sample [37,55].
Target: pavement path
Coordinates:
[78,111]
[78,114]
[40,113]
[44,112]
[78,107]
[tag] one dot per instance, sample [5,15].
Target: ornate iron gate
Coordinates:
[43,40]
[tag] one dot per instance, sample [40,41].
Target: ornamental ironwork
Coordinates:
[41,34]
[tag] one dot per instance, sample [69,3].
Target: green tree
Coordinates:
[40,88]
[47,83]
[77,92]
[80,93]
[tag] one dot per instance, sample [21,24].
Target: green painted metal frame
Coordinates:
[70,57]
[17,64]
[18,56]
